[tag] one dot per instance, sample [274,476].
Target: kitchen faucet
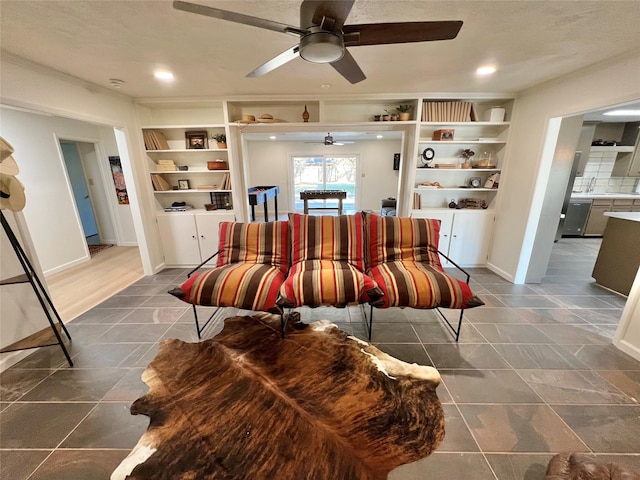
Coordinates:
[592,184]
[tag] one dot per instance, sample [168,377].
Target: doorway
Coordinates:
[325,172]
[78,180]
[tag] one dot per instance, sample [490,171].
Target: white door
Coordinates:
[470,237]
[179,239]
[208,226]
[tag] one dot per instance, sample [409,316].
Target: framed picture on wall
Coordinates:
[183,185]
[197,139]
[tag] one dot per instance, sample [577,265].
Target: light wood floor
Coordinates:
[80,288]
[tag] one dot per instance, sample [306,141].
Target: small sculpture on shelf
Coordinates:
[305,115]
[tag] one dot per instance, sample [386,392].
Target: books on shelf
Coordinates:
[417,201]
[449,111]
[160,183]
[226,182]
[446,165]
[166,166]
[154,140]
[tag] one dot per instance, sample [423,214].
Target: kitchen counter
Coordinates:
[612,196]
[633,216]
[619,256]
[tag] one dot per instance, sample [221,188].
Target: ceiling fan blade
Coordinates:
[348,68]
[276,62]
[402,32]
[236,17]
[312,12]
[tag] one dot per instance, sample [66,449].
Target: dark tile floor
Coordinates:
[534,374]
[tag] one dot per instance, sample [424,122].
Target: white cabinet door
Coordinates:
[179,239]
[470,237]
[208,227]
[446,222]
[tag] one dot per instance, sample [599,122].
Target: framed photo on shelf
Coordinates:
[183,185]
[197,139]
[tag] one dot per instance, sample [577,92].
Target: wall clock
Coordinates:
[475,182]
[428,154]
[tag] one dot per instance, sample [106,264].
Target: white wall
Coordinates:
[627,336]
[526,176]
[562,148]
[37,88]
[50,211]
[268,164]
[20,310]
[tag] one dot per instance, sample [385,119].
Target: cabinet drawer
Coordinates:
[636,202]
[623,201]
[601,203]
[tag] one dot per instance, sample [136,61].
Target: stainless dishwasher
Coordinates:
[576,217]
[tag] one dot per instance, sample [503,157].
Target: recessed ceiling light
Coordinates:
[625,113]
[486,70]
[378,136]
[272,137]
[163,75]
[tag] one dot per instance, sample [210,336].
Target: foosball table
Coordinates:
[306,195]
[262,194]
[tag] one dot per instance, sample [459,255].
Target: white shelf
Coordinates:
[467,124]
[454,189]
[199,211]
[192,170]
[189,150]
[183,127]
[430,170]
[445,142]
[191,190]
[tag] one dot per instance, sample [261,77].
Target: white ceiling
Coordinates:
[529,41]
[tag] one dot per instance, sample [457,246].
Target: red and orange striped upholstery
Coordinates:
[249,286]
[327,262]
[404,262]
[315,283]
[400,238]
[252,265]
[265,243]
[327,238]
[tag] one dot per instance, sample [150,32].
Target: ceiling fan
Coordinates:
[324,37]
[329,141]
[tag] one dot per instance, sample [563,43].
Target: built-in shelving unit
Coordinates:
[273,115]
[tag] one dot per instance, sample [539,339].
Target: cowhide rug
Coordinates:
[247,405]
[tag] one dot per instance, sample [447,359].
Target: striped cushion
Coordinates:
[419,285]
[327,238]
[401,238]
[324,282]
[241,285]
[254,243]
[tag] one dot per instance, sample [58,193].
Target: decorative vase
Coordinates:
[305,115]
[222,145]
[404,116]
[385,118]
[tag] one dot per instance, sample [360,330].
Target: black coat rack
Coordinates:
[43,338]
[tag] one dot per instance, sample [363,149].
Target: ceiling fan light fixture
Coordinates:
[321,47]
